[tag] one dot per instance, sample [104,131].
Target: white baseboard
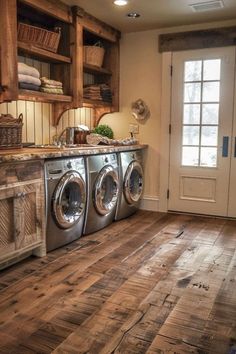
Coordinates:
[149,203]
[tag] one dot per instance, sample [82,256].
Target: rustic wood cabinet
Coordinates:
[67,64]
[90,30]
[22,209]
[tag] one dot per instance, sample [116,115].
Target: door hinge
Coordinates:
[168,194]
[169,128]
[171,70]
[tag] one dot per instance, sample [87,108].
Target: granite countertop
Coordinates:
[28,153]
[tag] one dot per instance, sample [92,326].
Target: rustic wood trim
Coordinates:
[77,66]
[96,26]
[8,53]
[11,173]
[57,111]
[209,38]
[37,96]
[112,62]
[53,8]
[99,112]
[42,53]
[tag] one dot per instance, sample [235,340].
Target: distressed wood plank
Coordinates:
[152,283]
[208,38]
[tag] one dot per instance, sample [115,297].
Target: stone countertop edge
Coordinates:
[25,154]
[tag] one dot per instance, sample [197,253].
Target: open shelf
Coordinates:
[78,29]
[38,96]
[92,69]
[42,53]
[96,103]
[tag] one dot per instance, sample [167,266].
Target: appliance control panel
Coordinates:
[109,158]
[56,168]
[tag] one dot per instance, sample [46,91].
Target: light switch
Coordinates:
[134,128]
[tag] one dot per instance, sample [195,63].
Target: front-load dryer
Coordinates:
[131,180]
[66,200]
[103,190]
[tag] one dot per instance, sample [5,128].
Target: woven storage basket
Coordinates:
[39,37]
[93,55]
[10,132]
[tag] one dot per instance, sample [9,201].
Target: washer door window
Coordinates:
[69,199]
[106,190]
[133,183]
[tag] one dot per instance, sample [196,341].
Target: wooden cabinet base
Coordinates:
[17,256]
[22,203]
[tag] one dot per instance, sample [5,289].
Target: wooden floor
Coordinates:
[153,283]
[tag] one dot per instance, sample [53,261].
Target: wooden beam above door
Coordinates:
[209,38]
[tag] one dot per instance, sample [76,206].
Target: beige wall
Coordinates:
[141,66]
[141,78]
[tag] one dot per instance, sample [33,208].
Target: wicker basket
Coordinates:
[93,55]
[39,37]
[10,132]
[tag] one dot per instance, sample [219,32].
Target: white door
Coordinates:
[232,184]
[201,131]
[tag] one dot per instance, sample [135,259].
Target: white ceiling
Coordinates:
[154,13]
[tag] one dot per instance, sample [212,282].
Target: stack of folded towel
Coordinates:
[51,86]
[28,77]
[92,92]
[101,92]
[106,93]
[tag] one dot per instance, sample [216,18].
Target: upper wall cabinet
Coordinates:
[50,32]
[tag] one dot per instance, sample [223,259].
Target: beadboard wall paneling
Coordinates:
[37,119]
[37,116]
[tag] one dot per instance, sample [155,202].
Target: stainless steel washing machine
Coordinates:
[66,200]
[131,180]
[103,190]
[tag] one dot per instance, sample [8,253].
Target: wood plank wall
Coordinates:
[37,119]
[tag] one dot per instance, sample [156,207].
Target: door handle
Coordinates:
[235,146]
[225,147]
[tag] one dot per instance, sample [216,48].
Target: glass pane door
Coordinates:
[201,112]
[201,120]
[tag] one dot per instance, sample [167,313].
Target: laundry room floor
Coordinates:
[152,283]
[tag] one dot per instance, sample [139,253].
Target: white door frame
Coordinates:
[165,123]
[166,87]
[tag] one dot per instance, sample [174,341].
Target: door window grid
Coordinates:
[201,111]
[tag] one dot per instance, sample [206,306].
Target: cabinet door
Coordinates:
[28,215]
[7,237]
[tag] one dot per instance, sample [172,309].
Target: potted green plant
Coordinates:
[104,130]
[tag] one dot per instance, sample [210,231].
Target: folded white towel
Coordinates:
[29,79]
[46,81]
[28,70]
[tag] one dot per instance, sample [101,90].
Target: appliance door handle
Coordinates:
[225,147]
[235,146]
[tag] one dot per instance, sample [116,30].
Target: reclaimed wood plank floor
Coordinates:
[152,283]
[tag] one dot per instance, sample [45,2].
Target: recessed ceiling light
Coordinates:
[133,15]
[120,2]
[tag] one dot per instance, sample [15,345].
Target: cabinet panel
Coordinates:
[7,241]
[20,172]
[28,215]
[22,210]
